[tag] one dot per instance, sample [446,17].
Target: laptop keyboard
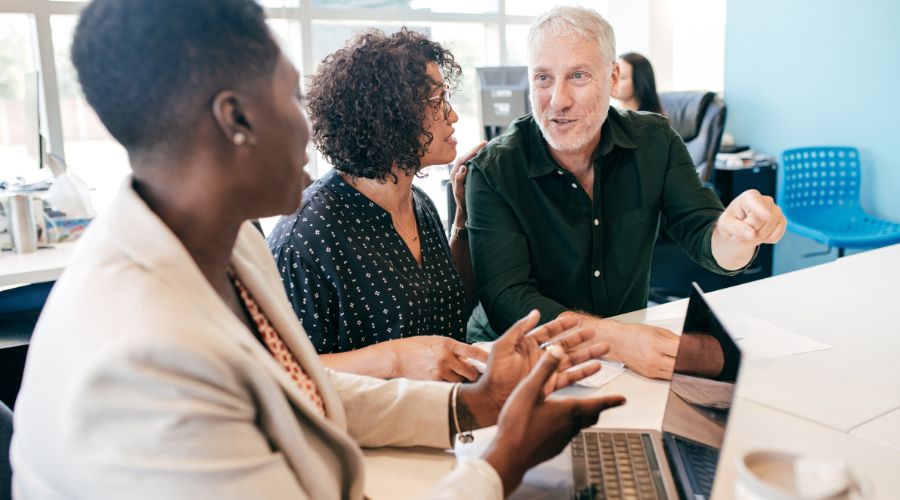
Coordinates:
[701,463]
[615,465]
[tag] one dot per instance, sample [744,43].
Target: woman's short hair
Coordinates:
[643,82]
[150,67]
[368,102]
[578,21]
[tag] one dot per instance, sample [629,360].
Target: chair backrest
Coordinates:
[816,177]
[6,428]
[699,118]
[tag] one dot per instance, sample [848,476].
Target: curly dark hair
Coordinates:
[367,102]
[149,67]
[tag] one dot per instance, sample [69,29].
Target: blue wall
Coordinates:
[804,73]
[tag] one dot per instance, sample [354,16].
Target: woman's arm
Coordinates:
[376,360]
[425,357]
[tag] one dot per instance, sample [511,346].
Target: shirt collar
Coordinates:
[612,133]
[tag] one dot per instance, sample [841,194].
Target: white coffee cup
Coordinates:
[773,475]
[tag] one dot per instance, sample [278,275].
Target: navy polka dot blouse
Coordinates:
[352,280]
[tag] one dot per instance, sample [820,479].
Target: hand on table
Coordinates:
[645,349]
[648,350]
[431,357]
[532,428]
[515,354]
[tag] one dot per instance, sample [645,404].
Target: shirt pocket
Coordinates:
[633,234]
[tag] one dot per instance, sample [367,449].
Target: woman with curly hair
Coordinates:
[365,261]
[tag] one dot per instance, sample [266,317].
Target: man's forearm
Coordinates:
[731,254]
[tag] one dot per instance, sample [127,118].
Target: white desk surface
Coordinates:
[851,304]
[884,430]
[752,426]
[45,264]
[842,402]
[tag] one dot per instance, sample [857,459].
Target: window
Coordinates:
[287,33]
[17,58]
[91,153]
[479,32]
[279,3]
[536,7]
[516,44]
[431,6]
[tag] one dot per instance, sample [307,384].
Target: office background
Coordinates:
[792,73]
[36,35]
[807,73]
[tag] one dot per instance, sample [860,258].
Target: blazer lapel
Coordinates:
[147,240]
[259,275]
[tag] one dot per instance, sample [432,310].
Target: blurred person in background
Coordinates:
[637,85]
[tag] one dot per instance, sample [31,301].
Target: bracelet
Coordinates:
[464,437]
[458,232]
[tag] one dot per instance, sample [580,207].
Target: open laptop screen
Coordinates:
[706,370]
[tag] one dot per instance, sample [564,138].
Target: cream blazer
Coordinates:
[141,384]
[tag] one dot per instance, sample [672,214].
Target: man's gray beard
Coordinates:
[579,143]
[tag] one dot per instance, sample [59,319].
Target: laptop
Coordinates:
[681,460]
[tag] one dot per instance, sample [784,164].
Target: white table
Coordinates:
[842,402]
[883,430]
[851,304]
[45,264]
[753,426]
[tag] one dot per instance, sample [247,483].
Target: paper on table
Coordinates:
[760,339]
[757,338]
[703,391]
[484,346]
[608,371]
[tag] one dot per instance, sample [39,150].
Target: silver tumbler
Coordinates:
[20,220]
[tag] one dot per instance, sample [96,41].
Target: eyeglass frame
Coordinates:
[446,107]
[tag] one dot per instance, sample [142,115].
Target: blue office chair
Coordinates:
[818,191]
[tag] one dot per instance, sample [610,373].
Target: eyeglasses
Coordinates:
[443,100]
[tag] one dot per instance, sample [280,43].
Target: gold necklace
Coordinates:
[415,236]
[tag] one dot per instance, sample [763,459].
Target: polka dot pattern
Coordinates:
[352,280]
[272,340]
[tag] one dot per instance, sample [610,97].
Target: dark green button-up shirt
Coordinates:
[538,240]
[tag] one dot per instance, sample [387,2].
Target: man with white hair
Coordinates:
[564,207]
